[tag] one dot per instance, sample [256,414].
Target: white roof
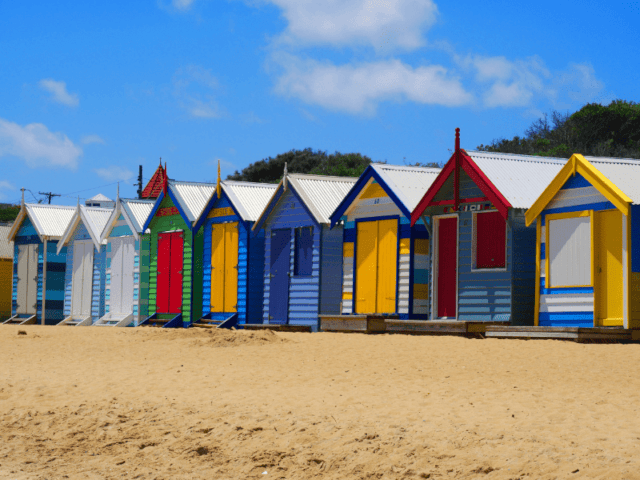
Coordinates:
[93,218]
[6,245]
[100,198]
[623,172]
[192,196]
[49,220]
[408,183]
[138,211]
[250,199]
[321,194]
[521,179]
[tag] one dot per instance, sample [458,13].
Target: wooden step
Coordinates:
[354,323]
[574,334]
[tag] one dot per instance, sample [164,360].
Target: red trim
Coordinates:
[456,178]
[487,187]
[435,187]
[464,200]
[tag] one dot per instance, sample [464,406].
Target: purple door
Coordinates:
[279,271]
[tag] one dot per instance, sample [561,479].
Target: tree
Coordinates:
[269,170]
[605,131]
[9,214]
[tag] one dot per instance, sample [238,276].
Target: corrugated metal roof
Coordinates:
[520,178]
[250,199]
[50,220]
[6,246]
[138,211]
[623,172]
[408,183]
[100,198]
[321,194]
[193,197]
[97,219]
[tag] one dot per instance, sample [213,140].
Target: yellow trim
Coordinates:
[538,260]
[347,295]
[562,216]
[628,285]
[612,322]
[405,246]
[220,212]
[347,249]
[593,251]
[578,164]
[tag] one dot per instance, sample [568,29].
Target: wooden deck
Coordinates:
[574,334]
[441,327]
[354,323]
[277,328]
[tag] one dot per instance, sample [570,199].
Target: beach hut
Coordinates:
[84,293]
[483,253]
[233,257]
[303,255]
[127,267]
[38,266]
[6,272]
[587,263]
[385,267]
[176,253]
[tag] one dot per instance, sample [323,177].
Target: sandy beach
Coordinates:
[96,403]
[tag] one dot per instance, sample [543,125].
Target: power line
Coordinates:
[50,195]
[93,188]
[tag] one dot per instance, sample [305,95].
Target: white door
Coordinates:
[82,279]
[122,257]
[27,301]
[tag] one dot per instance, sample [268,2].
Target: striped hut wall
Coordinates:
[143,277]
[81,233]
[348,248]
[524,270]
[6,282]
[403,287]
[290,213]
[121,229]
[567,307]
[421,275]
[107,279]
[56,275]
[255,293]
[99,281]
[26,235]
[197,274]
[634,277]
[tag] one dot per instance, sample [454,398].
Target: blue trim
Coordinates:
[570,318]
[153,212]
[355,191]
[268,209]
[275,201]
[578,208]
[576,181]
[205,212]
[349,235]
[179,207]
[559,291]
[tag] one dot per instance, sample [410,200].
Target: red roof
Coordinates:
[154,187]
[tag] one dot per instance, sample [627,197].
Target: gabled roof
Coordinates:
[135,213]
[509,181]
[319,193]
[249,198]
[99,198]
[49,221]
[405,185]
[93,218]
[190,198]
[6,245]
[154,187]
[617,179]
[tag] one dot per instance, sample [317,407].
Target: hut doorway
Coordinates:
[123,252]
[82,279]
[608,268]
[447,270]
[224,267]
[279,272]
[376,266]
[170,272]
[27,301]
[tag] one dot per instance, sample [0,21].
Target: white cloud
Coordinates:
[193,86]
[89,139]
[359,88]
[114,173]
[379,23]
[182,4]
[59,93]
[38,146]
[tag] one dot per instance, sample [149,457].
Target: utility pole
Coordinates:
[139,184]
[49,194]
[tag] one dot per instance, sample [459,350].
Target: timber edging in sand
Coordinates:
[576,334]
[354,323]
[277,328]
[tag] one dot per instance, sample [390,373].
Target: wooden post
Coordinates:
[456,175]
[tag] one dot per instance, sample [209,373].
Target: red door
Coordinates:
[447,266]
[170,265]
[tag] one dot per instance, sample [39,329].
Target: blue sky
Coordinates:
[90,90]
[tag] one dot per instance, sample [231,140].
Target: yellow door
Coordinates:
[387,265]
[608,268]
[376,266]
[231,267]
[366,266]
[217,267]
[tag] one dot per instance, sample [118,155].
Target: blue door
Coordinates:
[279,283]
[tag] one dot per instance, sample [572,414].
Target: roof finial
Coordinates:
[457,139]
[219,185]
[284,177]
[161,162]
[22,201]
[78,200]
[118,191]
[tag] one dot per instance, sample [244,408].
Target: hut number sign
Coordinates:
[476,207]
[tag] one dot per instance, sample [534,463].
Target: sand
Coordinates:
[102,403]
